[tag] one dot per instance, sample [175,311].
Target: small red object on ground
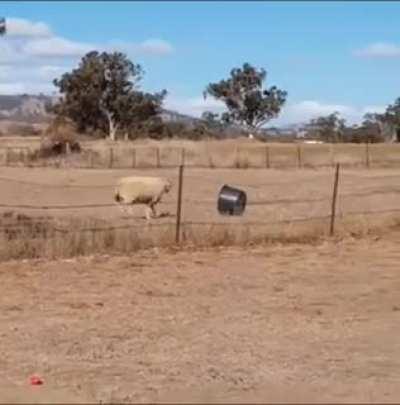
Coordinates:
[35,380]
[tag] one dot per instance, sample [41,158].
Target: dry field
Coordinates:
[278,202]
[278,323]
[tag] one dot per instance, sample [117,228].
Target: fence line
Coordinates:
[56,207]
[181,222]
[294,155]
[265,202]
[29,183]
[197,201]
[113,228]
[199,223]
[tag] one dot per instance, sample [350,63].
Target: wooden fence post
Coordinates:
[367,156]
[236,163]
[158,157]
[334,197]
[267,158]
[332,154]
[21,156]
[91,158]
[299,157]
[182,157]
[133,158]
[179,206]
[111,158]
[26,156]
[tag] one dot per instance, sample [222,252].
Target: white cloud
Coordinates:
[306,110]
[380,109]
[193,106]
[155,47]
[11,88]
[379,50]
[19,27]
[150,47]
[56,47]
[4,72]
[31,55]
[293,113]
[25,88]
[10,52]
[49,72]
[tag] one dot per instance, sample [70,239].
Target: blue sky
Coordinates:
[329,56]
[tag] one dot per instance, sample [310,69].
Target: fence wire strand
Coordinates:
[149,226]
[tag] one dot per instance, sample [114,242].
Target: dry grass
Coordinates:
[24,237]
[75,237]
[239,153]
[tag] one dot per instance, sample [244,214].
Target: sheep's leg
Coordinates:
[131,210]
[153,209]
[126,209]
[148,211]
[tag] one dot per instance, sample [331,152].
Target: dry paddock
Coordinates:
[277,322]
[273,195]
[289,323]
[282,205]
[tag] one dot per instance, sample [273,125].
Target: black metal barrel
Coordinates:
[231,201]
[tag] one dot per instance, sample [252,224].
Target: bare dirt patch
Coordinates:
[294,323]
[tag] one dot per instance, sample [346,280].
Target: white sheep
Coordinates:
[141,190]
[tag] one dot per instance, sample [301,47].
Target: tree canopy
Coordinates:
[102,94]
[247,102]
[329,128]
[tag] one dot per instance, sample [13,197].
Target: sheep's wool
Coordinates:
[141,189]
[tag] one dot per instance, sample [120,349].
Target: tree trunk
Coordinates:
[381,128]
[113,129]
[112,126]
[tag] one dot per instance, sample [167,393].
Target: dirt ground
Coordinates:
[277,323]
[273,195]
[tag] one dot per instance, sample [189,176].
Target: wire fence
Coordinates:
[179,222]
[269,156]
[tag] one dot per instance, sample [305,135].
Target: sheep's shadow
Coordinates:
[142,217]
[165,215]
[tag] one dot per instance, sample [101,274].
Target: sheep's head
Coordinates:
[168,186]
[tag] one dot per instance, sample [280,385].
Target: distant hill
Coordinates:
[32,108]
[24,108]
[29,107]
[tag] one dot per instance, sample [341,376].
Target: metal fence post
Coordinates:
[179,206]
[334,197]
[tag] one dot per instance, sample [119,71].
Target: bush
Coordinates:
[60,134]
[361,136]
